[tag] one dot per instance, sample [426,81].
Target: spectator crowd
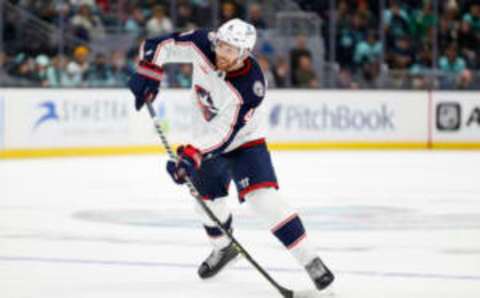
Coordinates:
[401,44]
[416,43]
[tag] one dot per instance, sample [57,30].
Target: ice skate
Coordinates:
[217,260]
[321,276]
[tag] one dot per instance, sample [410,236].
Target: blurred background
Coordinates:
[346,44]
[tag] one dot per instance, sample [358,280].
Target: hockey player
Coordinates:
[227,91]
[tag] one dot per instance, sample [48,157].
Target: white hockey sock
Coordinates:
[220,209]
[304,252]
[284,222]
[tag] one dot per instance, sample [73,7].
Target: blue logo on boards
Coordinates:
[49,113]
[275,115]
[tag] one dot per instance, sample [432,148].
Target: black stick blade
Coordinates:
[286,293]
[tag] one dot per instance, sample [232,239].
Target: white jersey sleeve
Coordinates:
[174,48]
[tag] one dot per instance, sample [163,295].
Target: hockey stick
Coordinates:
[284,291]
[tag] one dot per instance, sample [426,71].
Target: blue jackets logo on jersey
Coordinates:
[205,103]
[49,114]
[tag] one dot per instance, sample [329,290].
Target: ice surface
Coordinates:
[389,224]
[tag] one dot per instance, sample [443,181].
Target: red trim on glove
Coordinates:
[150,70]
[194,154]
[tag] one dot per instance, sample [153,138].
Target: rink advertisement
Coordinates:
[365,119]
[456,119]
[73,118]
[87,122]
[49,122]
[2,122]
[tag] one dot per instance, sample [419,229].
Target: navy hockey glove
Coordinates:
[189,160]
[145,83]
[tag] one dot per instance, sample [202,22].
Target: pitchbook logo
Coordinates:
[449,116]
[328,117]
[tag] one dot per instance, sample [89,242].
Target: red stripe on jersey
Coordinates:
[151,71]
[253,187]
[252,143]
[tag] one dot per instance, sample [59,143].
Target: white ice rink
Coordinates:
[390,224]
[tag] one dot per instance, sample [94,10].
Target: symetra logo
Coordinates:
[49,113]
[72,117]
[327,117]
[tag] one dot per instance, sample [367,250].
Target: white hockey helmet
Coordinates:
[239,34]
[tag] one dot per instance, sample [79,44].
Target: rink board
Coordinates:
[2,122]
[69,122]
[457,117]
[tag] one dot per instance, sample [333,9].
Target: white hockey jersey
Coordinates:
[226,112]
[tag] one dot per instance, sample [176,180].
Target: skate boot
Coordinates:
[319,273]
[217,260]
